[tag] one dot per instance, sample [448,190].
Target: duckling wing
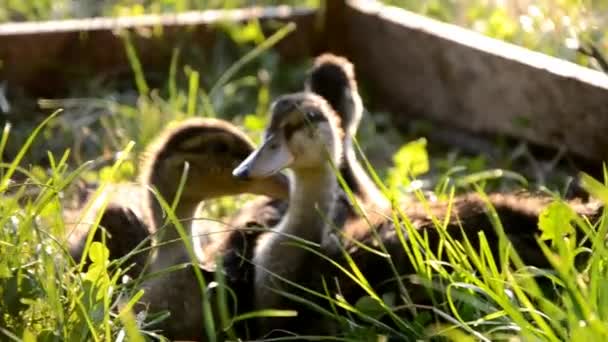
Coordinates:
[123,224]
[127,237]
[518,214]
[236,240]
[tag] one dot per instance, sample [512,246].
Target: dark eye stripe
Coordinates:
[290,129]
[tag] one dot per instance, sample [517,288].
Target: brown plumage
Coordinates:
[303,135]
[313,199]
[210,149]
[518,214]
[333,78]
[121,222]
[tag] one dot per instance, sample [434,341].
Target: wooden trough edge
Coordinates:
[419,67]
[43,58]
[207,17]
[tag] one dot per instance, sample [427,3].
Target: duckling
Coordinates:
[304,135]
[130,220]
[333,78]
[518,213]
[209,149]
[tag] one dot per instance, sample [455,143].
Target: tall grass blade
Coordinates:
[24,148]
[138,71]
[251,55]
[192,92]
[5,133]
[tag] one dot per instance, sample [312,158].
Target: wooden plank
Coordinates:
[43,58]
[419,67]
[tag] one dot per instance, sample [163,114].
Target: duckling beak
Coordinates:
[268,159]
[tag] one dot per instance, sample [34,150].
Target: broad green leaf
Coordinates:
[413,158]
[98,253]
[555,221]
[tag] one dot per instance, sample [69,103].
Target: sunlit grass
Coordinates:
[475,295]
[43,293]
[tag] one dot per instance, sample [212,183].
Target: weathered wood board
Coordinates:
[421,67]
[44,57]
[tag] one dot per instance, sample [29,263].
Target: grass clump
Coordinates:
[44,294]
[475,296]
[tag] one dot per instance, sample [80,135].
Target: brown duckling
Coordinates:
[129,220]
[333,78]
[303,135]
[209,149]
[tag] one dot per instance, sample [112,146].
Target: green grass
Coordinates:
[476,297]
[44,295]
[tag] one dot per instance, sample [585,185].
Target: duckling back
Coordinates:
[468,217]
[121,225]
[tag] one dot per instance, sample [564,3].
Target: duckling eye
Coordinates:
[312,116]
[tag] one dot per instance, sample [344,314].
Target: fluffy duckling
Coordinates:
[333,78]
[129,220]
[518,213]
[209,150]
[303,135]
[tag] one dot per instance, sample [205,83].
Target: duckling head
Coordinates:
[303,134]
[209,150]
[333,77]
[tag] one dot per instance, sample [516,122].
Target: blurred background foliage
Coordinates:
[554,27]
[101,116]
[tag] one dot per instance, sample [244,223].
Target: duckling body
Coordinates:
[278,263]
[208,149]
[121,226]
[298,122]
[518,214]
